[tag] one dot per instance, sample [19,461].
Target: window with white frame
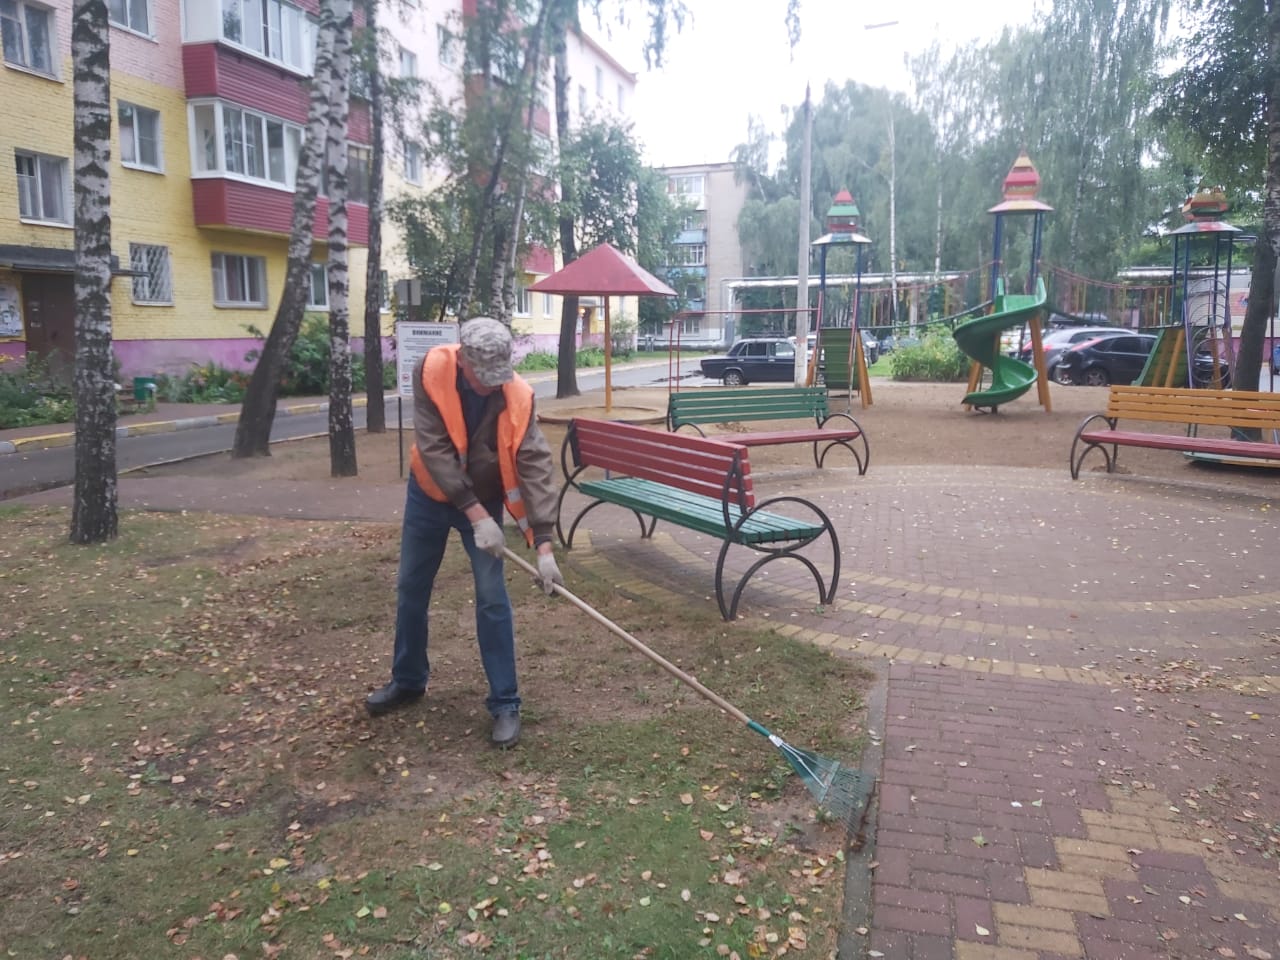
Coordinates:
[239,281]
[691,325]
[582,100]
[139,137]
[413,162]
[273,29]
[408,64]
[619,98]
[599,83]
[27,31]
[523,299]
[134,15]
[689,255]
[547,305]
[230,140]
[318,287]
[152,276]
[687,187]
[44,187]
[447,45]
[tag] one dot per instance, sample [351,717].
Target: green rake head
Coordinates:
[840,790]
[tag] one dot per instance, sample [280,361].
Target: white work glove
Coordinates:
[489,536]
[549,571]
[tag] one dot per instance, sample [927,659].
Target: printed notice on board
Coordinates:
[413,340]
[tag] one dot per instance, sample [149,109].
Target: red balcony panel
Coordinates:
[235,205]
[542,120]
[214,70]
[359,127]
[539,260]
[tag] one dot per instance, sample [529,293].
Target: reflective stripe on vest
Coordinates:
[440,381]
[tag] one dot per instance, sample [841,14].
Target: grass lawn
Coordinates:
[189,771]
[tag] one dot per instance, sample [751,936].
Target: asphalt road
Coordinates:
[29,472]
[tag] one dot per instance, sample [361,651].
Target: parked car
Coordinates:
[1057,342]
[759,359]
[1103,360]
[890,343]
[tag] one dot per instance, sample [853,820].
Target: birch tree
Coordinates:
[342,436]
[94,517]
[375,411]
[253,431]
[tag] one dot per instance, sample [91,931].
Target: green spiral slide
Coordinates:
[980,339]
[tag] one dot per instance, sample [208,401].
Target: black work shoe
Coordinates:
[390,698]
[506,729]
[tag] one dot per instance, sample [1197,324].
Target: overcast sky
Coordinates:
[732,60]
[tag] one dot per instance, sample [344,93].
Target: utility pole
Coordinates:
[802,262]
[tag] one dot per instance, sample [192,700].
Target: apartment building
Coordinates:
[707,250]
[428,47]
[210,105]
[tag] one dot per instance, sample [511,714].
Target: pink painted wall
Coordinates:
[144,358]
[158,60]
[13,348]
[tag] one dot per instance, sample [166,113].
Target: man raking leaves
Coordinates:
[477,446]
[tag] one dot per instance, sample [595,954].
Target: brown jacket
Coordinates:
[481,481]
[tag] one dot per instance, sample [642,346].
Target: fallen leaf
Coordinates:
[982,931]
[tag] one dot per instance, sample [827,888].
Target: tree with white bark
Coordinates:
[94,515]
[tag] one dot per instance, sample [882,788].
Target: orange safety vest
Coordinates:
[440,380]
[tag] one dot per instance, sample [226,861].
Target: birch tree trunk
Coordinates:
[487,205]
[342,433]
[253,431]
[94,517]
[376,411]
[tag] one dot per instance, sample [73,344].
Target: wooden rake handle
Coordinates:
[656,657]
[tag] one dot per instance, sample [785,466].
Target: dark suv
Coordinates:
[1106,359]
[749,361]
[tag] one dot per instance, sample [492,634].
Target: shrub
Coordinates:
[203,383]
[306,371]
[936,357]
[537,360]
[30,395]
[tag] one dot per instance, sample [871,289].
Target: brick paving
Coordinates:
[1081,747]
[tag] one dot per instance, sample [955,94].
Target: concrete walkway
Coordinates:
[1081,742]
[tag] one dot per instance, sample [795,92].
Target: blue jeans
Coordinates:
[423,538]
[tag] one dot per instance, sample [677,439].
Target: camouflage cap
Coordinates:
[486,346]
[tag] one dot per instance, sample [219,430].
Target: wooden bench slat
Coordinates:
[639,452]
[1165,441]
[765,439]
[740,405]
[700,513]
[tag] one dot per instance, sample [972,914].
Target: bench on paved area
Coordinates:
[1196,409]
[696,407]
[700,483]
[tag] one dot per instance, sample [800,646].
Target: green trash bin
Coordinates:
[144,390]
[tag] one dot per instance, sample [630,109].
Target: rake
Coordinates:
[840,790]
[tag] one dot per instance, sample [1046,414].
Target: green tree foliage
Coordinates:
[1226,101]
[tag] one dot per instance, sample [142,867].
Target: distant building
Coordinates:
[707,251]
[209,109]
